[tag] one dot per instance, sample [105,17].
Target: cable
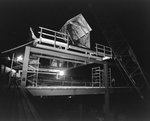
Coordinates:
[16,47]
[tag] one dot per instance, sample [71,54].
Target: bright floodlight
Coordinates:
[8,58]
[19,58]
[61,73]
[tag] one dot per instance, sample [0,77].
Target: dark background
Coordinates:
[131,16]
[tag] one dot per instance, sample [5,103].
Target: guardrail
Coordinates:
[103,50]
[62,38]
[65,83]
[53,35]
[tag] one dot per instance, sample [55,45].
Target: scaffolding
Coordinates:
[48,75]
[98,78]
[62,56]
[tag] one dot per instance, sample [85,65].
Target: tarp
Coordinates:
[79,31]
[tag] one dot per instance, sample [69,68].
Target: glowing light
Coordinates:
[61,73]
[8,58]
[19,58]
[70,97]
[106,58]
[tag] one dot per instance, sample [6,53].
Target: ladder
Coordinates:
[98,77]
[123,53]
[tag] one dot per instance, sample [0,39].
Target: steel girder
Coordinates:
[122,51]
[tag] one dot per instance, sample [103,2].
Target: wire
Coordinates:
[17,47]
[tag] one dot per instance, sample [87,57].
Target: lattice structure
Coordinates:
[97,77]
[122,51]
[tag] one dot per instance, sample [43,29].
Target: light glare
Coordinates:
[61,73]
[19,58]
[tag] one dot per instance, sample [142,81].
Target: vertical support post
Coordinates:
[104,50]
[40,34]
[55,40]
[67,42]
[99,73]
[37,70]
[25,66]
[11,68]
[81,108]
[3,78]
[106,91]
[96,49]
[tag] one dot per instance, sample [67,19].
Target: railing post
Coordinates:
[41,33]
[96,49]
[104,50]
[55,40]
[67,41]
[111,52]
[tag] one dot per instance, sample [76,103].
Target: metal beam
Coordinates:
[61,90]
[57,58]
[64,55]
[25,66]
[83,54]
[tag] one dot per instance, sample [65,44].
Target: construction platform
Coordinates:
[73,90]
[64,90]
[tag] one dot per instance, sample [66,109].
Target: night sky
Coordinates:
[131,16]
